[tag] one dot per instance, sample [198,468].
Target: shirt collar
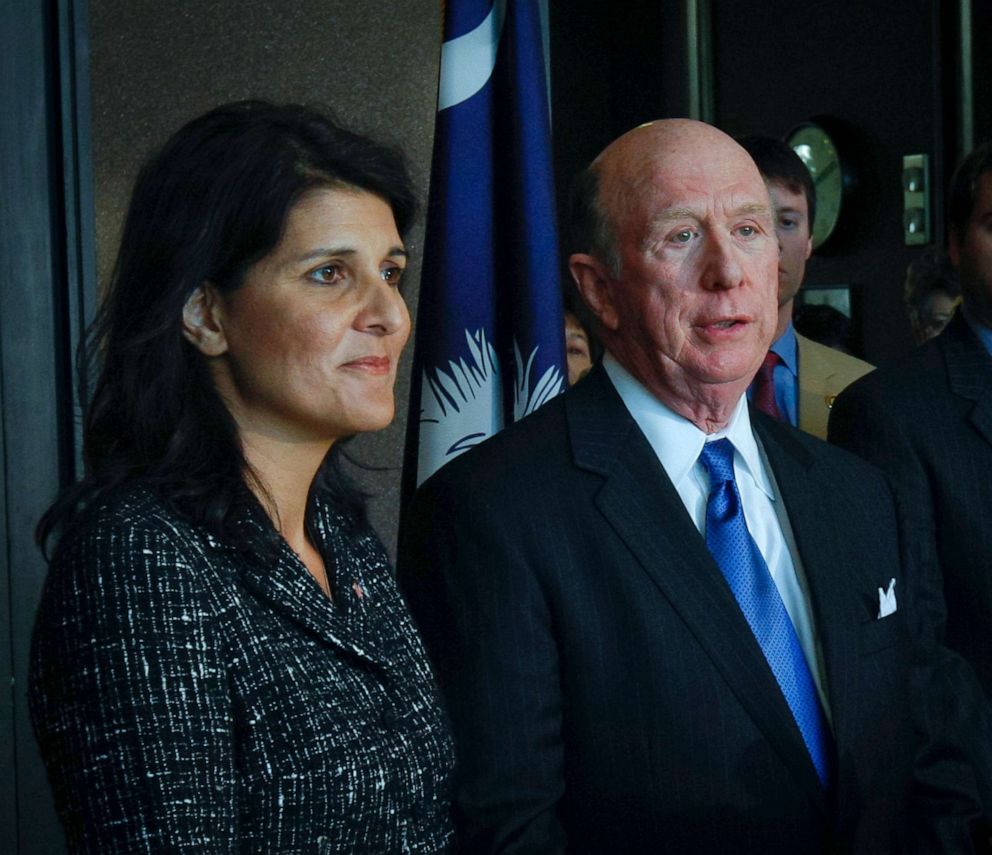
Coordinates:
[978,328]
[787,348]
[676,441]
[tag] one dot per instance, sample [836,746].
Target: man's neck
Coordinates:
[784,317]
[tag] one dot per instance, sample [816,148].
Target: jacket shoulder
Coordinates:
[920,374]
[131,541]
[820,365]
[520,450]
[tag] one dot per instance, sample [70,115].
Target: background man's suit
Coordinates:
[604,686]
[823,374]
[927,421]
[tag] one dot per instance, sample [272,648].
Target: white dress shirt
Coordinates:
[678,443]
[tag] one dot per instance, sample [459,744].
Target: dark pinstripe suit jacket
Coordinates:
[606,692]
[190,696]
[927,422]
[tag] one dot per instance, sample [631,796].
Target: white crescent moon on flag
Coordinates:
[467,62]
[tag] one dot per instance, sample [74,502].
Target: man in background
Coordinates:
[927,421]
[799,378]
[662,621]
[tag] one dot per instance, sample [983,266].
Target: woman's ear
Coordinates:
[202,324]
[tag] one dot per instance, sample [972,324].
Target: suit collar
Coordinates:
[676,441]
[969,371]
[641,505]
[274,574]
[969,366]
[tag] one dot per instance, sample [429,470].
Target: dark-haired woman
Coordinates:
[221,660]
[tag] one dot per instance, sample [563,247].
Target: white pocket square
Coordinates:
[887,600]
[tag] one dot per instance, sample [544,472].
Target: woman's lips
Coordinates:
[377,365]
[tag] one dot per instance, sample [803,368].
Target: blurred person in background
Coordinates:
[933,294]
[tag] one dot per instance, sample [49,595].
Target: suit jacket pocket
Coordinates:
[881,634]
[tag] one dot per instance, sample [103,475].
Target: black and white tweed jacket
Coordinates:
[188,696]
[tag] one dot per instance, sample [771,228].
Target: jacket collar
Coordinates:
[275,575]
[969,371]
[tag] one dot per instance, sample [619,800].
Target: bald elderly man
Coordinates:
[664,622]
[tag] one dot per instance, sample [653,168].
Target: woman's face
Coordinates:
[577,351]
[314,334]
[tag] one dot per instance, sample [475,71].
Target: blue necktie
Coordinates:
[730,542]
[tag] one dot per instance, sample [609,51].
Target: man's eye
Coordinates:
[747,231]
[393,275]
[787,223]
[329,274]
[683,236]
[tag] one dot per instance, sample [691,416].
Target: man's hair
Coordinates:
[589,226]
[776,161]
[964,186]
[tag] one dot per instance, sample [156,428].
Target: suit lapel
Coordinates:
[815,379]
[285,585]
[969,372]
[828,588]
[644,509]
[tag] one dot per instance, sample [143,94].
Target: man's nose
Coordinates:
[722,267]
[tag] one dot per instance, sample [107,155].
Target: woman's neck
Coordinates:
[285,472]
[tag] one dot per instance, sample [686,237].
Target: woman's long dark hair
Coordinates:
[205,208]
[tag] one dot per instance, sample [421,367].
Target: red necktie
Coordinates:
[763,388]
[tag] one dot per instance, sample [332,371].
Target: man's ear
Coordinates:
[809,247]
[595,284]
[202,321]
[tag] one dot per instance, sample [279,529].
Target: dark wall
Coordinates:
[981,72]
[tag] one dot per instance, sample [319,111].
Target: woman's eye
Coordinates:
[393,275]
[329,274]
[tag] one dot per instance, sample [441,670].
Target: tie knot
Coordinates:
[718,458]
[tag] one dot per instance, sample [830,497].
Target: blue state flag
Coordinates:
[489,345]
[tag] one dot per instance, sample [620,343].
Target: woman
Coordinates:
[221,660]
[578,348]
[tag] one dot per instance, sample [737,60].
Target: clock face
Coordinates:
[817,150]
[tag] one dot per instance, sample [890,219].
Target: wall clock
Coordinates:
[818,150]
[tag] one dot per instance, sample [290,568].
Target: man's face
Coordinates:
[971,253]
[794,241]
[695,306]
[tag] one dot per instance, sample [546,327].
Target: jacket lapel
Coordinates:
[642,506]
[969,372]
[814,379]
[828,587]
[285,585]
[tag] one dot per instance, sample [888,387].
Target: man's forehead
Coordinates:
[704,209]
